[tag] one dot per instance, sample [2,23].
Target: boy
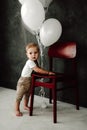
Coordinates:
[24,82]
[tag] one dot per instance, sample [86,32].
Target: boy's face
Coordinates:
[32,53]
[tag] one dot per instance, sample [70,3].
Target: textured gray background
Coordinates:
[13,37]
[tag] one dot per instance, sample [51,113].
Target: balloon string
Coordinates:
[42,91]
[42,48]
[40,44]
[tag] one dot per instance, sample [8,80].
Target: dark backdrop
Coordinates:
[13,37]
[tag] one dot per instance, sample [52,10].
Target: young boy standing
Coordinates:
[24,82]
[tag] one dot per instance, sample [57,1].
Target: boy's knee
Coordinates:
[18,99]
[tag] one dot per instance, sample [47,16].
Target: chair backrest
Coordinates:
[63,50]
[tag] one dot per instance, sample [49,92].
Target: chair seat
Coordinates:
[38,82]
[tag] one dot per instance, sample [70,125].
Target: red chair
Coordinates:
[68,52]
[58,50]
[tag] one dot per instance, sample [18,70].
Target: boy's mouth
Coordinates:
[34,57]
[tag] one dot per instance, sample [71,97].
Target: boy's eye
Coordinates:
[35,52]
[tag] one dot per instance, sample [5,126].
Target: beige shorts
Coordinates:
[23,88]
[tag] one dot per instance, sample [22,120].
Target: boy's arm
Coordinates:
[42,71]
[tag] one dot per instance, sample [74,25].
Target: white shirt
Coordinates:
[27,69]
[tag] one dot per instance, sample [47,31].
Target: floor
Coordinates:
[68,117]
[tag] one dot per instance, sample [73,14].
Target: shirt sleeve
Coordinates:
[31,64]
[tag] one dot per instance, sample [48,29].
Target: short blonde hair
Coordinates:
[29,45]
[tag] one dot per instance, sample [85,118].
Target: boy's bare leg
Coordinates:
[17,109]
[26,107]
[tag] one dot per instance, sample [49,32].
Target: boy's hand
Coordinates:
[51,73]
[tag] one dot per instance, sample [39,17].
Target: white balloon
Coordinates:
[22,1]
[28,29]
[50,31]
[45,3]
[33,14]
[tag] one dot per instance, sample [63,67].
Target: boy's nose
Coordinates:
[33,54]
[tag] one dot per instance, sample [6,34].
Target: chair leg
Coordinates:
[54,106]
[31,101]
[50,96]
[77,98]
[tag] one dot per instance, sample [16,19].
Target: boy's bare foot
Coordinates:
[26,108]
[18,113]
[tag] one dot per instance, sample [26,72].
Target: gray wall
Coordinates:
[13,37]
